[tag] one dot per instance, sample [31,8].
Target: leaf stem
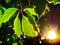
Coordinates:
[29,2]
[21,9]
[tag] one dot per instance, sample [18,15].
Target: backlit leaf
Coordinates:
[29,28]
[0,17]
[54,1]
[8,14]
[30,16]
[31,10]
[15,43]
[17,26]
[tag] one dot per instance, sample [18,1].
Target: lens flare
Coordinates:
[51,35]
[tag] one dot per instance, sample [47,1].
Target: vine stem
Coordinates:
[21,9]
[29,2]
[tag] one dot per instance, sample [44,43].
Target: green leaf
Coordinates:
[29,28]
[54,1]
[7,1]
[0,12]
[31,10]
[30,16]
[17,26]
[0,17]
[15,43]
[8,14]
[2,8]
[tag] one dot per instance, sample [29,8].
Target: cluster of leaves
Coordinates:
[19,17]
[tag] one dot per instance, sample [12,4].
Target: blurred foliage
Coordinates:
[54,1]
[19,20]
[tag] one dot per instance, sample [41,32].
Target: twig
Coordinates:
[29,2]
[21,9]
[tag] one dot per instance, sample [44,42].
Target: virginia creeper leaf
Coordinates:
[30,16]
[8,14]
[28,28]
[17,26]
[31,10]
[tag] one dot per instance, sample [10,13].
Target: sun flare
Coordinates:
[51,35]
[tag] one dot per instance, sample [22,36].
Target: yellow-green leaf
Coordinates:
[15,43]
[30,16]
[8,14]
[17,26]
[28,28]
[31,10]
[54,1]
[0,17]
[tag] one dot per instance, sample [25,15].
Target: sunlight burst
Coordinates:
[51,35]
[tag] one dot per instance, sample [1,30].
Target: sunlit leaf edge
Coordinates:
[32,32]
